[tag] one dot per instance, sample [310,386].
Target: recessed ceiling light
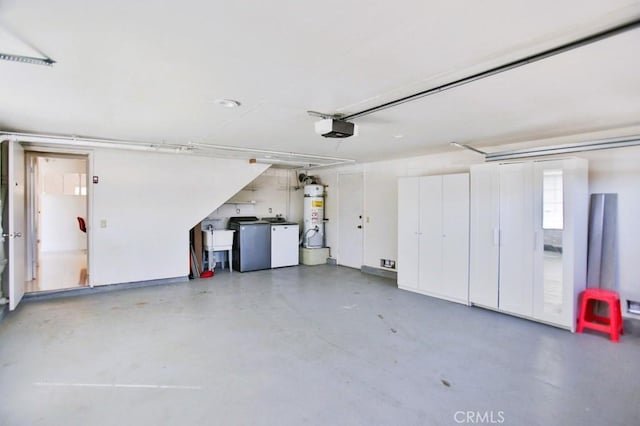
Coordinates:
[228,103]
[398,136]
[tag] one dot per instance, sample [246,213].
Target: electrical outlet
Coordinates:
[388,263]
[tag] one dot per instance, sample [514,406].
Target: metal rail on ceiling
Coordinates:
[583,41]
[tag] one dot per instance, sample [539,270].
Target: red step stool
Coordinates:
[587,319]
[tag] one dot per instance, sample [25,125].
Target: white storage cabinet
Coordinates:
[433,236]
[529,238]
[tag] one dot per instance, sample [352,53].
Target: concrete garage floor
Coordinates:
[317,345]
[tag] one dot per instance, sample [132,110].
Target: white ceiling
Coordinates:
[150,71]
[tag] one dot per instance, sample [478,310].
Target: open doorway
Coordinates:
[57,217]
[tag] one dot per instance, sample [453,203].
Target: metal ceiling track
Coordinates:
[190,148]
[610,32]
[27,59]
[621,142]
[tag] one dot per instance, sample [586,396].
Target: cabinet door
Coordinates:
[455,237]
[485,233]
[408,223]
[516,239]
[561,215]
[430,279]
[284,245]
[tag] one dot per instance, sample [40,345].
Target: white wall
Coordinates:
[59,229]
[381,198]
[618,171]
[615,171]
[272,193]
[149,202]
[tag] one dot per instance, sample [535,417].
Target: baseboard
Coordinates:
[392,275]
[631,325]
[81,291]
[4,310]
[434,295]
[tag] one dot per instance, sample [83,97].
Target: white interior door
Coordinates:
[14,233]
[455,237]
[408,229]
[517,240]
[431,234]
[350,237]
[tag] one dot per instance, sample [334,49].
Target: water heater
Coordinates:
[313,230]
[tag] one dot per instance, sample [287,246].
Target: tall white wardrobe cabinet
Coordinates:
[433,236]
[528,242]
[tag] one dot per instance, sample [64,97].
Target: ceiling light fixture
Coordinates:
[27,59]
[228,103]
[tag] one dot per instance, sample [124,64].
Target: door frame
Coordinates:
[54,152]
[362,204]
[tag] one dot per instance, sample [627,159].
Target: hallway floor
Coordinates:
[59,270]
[319,345]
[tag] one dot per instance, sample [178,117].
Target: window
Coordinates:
[75,184]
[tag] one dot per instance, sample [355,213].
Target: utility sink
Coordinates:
[218,239]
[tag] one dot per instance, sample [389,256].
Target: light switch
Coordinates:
[103,223]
